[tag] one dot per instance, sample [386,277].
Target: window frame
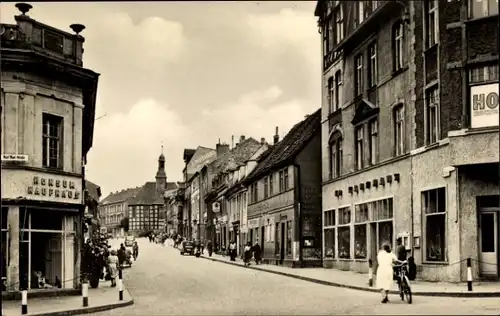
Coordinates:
[360,12]
[490,74]
[358,75]
[372,66]
[266,187]
[359,143]
[47,121]
[341,226]
[338,16]
[271,184]
[426,215]
[336,160]
[364,223]
[398,45]
[332,106]
[338,87]
[432,105]
[486,7]
[432,15]
[399,130]
[373,140]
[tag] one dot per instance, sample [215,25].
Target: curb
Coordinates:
[359,288]
[88,310]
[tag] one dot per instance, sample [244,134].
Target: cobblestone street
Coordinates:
[163,282]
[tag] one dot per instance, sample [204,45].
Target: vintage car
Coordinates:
[187,246]
[129,241]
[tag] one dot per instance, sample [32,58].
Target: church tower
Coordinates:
[161,176]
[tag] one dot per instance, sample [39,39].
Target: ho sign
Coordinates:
[484,105]
[216,207]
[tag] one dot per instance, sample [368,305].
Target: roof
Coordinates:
[319,7]
[188,154]
[93,190]
[291,145]
[236,156]
[120,196]
[148,194]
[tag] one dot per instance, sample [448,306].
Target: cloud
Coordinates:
[288,28]
[128,145]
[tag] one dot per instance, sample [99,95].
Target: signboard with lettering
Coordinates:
[282,200]
[33,185]
[14,158]
[484,105]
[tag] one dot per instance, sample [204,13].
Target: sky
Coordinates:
[187,74]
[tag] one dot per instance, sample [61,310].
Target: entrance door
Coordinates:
[488,243]
[282,243]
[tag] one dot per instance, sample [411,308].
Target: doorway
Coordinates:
[488,243]
[282,243]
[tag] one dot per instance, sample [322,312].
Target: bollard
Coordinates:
[85,293]
[120,285]
[469,275]
[370,272]
[24,302]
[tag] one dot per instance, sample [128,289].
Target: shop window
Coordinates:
[329,219]
[434,210]
[46,259]
[484,8]
[289,237]
[329,235]
[344,233]
[360,220]
[46,220]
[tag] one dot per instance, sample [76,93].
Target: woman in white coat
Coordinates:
[385,261]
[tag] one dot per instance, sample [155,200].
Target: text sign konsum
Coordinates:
[46,186]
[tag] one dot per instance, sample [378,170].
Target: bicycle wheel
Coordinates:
[407,290]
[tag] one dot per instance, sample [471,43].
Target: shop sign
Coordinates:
[253,223]
[14,158]
[484,105]
[47,186]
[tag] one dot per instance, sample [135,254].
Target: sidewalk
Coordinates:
[101,299]
[359,281]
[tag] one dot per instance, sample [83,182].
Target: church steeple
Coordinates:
[161,176]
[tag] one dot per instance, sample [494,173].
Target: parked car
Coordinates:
[129,241]
[187,247]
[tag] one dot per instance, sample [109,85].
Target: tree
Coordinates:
[124,223]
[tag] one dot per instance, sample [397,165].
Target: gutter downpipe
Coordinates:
[298,211]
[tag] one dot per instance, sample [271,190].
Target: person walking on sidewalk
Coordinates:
[385,260]
[247,256]
[210,248]
[232,250]
[257,252]
[113,267]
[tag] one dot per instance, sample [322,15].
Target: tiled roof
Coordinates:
[148,195]
[120,196]
[94,190]
[239,154]
[290,146]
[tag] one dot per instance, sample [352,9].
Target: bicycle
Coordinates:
[404,282]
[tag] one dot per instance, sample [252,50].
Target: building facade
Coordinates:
[92,196]
[409,146]
[114,208]
[48,106]
[284,199]
[146,209]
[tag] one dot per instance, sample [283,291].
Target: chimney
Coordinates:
[221,149]
[262,141]
[276,136]
[242,138]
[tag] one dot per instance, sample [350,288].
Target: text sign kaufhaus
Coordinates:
[63,189]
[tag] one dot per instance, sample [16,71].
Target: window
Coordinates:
[289,238]
[432,23]
[434,204]
[328,34]
[338,84]
[397,46]
[374,5]
[373,125]
[339,23]
[361,12]
[399,130]
[432,115]
[344,233]
[283,185]
[480,9]
[253,193]
[360,241]
[266,187]
[336,158]
[483,74]
[372,66]
[358,75]
[359,148]
[329,218]
[331,95]
[271,189]
[329,235]
[52,135]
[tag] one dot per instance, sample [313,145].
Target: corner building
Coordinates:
[48,112]
[410,136]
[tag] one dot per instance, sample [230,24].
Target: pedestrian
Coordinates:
[247,253]
[232,250]
[400,255]
[113,265]
[202,245]
[257,252]
[385,260]
[122,255]
[209,248]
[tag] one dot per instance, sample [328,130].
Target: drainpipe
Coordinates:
[297,189]
[412,208]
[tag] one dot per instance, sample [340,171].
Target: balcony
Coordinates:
[31,35]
